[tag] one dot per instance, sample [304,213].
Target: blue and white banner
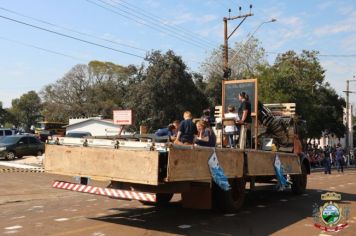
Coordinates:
[282,180]
[217,173]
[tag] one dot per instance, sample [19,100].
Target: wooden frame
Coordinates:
[254,113]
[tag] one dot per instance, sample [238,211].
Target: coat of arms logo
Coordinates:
[331,216]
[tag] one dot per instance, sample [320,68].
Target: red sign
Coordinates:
[122,117]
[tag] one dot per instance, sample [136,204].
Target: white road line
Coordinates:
[13,227]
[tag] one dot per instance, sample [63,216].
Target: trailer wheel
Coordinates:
[161,199]
[229,201]
[299,182]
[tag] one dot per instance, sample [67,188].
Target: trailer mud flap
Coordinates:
[109,192]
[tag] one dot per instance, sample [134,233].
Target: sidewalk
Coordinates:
[27,162]
[321,169]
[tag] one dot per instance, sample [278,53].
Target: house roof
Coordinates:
[111,122]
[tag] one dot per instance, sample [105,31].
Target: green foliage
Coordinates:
[166,90]
[157,94]
[25,111]
[300,79]
[245,59]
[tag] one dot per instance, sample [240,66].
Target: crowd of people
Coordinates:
[327,157]
[200,132]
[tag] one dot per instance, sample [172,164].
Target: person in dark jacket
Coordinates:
[187,130]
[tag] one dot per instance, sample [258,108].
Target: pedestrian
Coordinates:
[327,162]
[339,158]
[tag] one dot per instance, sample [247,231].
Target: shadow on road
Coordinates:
[265,212]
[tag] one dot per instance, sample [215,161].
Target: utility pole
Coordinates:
[347,138]
[227,70]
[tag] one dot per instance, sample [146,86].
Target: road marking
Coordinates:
[98,234]
[261,206]
[61,219]
[184,226]
[13,227]
[17,217]
[341,185]
[283,200]
[305,195]
[229,215]
[11,232]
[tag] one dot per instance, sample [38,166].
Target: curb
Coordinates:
[11,170]
[316,170]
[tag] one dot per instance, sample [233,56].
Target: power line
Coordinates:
[161,20]
[69,36]
[322,55]
[72,30]
[42,49]
[164,26]
[191,42]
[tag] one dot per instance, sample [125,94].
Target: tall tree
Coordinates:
[245,59]
[87,90]
[300,79]
[166,89]
[26,110]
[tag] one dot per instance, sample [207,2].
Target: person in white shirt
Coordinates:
[231,130]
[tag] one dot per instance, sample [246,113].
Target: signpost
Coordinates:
[122,117]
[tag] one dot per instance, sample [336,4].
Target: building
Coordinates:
[331,140]
[95,125]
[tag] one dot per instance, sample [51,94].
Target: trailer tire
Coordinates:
[299,182]
[229,201]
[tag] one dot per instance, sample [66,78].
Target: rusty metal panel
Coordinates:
[261,163]
[189,164]
[135,166]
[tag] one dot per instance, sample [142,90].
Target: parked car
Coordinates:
[19,146]
[6,132]
[78,134]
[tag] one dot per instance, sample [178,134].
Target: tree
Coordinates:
[87,90]
[68,96]
[300,79]
[164,91]
[245,60]
[26,110]
[2,115]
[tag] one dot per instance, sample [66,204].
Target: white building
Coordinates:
[332,140]
[95,125]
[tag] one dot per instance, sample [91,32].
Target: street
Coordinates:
[30,206]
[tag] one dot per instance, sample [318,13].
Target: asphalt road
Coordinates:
[29,206]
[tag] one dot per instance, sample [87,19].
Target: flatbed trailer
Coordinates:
[150,173]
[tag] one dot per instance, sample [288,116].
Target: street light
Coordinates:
[257,28]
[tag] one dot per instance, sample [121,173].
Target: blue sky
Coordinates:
[327,26]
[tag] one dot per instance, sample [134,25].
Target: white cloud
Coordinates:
[337,72]
[326,4]
[289,28]
[345,25]
[188,17]
[349,43]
